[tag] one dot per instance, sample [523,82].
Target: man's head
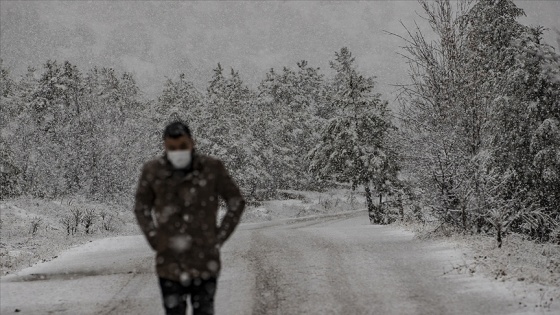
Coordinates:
[178,143]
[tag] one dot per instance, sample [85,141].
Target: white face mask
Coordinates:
[180,158]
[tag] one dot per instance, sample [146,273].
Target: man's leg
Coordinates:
[202,296]
[174,297]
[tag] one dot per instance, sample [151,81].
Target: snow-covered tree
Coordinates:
[9,173]
[82,133]
[224,129]
[441,119]
[290,115]
[524,140]
[482,95]
[181,100]
[119,136]
[354,147]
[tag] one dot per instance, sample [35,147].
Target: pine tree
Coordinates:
[290,103]
[9,173]
[524,141]
[227,115]
[353,146]
[120,134]
[181,99]
[81,132]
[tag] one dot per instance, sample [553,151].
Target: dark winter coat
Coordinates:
[183,229]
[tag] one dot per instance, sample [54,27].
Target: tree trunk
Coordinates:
[370,206]
[499,236]
[464,216]
[380,208]
[401,206]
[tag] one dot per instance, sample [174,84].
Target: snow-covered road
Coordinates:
[326,265]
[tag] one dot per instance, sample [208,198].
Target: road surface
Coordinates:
[324,265]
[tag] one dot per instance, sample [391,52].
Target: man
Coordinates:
[176,208]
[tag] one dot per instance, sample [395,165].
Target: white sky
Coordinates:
[155,40]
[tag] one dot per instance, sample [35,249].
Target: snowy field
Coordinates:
[21,247]
[34,230]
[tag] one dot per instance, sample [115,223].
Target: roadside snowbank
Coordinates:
[531,270]
[33,230]
[305,203]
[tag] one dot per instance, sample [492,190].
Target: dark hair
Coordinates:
[176,129]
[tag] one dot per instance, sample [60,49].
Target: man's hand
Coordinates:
[228,190]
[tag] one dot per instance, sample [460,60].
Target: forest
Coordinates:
[472,141]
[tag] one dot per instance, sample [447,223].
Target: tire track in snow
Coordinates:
[266,280]
[124,298]
[295,269]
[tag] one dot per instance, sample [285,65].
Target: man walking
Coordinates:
[176,208]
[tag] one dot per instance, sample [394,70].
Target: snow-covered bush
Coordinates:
[480,118]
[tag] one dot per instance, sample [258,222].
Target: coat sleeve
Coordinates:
[144,201]
[229,191]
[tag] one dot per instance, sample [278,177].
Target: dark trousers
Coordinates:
[200,291]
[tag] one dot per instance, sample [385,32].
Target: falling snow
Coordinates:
[299,113]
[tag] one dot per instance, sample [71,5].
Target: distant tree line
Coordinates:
[68,132]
